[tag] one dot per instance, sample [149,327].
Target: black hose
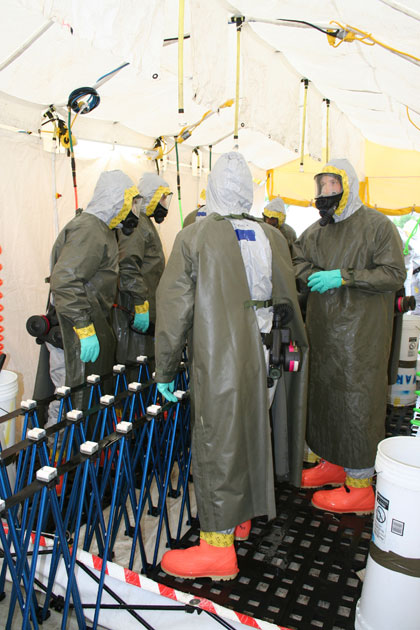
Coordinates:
[79,93]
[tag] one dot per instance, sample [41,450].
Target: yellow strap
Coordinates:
[87,331]
[142,308]
[358,483]
[129,195]
[305,103]
[162,190]
[216,539]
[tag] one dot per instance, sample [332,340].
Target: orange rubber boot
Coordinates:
[242,531]
[323,474]
[203,560]
[345,499]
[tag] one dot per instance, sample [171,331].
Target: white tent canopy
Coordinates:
[369,87]
[48,48]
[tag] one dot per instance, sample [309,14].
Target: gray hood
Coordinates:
[275,209]
[110,202]
[350,186]
[151,188]
[229,187]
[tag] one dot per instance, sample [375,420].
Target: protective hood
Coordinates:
[350,201]
[151,188]
[229,187]
[112,198]
[275,210]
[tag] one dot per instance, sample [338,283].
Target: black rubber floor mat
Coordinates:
[301,569]
[398,420]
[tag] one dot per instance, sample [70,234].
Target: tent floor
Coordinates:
[302,570]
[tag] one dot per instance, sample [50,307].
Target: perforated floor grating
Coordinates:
[398,420]
[301,569]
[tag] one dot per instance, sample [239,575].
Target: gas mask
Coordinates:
[160,212]
[129,224]
[329,191]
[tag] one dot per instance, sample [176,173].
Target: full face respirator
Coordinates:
[328,194]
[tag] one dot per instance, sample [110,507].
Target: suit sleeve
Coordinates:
[175,309]
[387,270]
[78,261]
[131,255]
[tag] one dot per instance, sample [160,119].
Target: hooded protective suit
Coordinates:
[277,210]
[141,264]
[204,294]
[195,215]
[84,269]
[349,327]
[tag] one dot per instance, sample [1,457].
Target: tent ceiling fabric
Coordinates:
[369,87]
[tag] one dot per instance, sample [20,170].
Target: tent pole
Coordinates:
[181,57]
[26,45]
[178,183]
[305,101]
[238,21]
[327,131]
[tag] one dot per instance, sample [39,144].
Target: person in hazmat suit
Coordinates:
[198,213]
[141,264]
[221,281]
[351,264]
[275,214]
[83,283]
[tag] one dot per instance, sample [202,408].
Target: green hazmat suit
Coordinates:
[141,264]
[288,233]
[83,281]
[204,295]
[275,209]
[350,327]
[196,215]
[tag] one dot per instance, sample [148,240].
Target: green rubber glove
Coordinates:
[166,390]
[141,321]
[322,281]
[89,349]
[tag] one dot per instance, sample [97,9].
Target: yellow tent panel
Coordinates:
[391,184]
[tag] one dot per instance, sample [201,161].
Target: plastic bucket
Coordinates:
[410,338]
[403,392]
[8,393]
[390,598]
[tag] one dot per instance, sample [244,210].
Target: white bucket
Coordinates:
[410,338]
[391,599]
[403,392]
[8,393]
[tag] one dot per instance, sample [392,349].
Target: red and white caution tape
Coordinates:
[141,581]
[43,540]
[130,577]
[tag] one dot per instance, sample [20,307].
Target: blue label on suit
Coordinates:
[245,235]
